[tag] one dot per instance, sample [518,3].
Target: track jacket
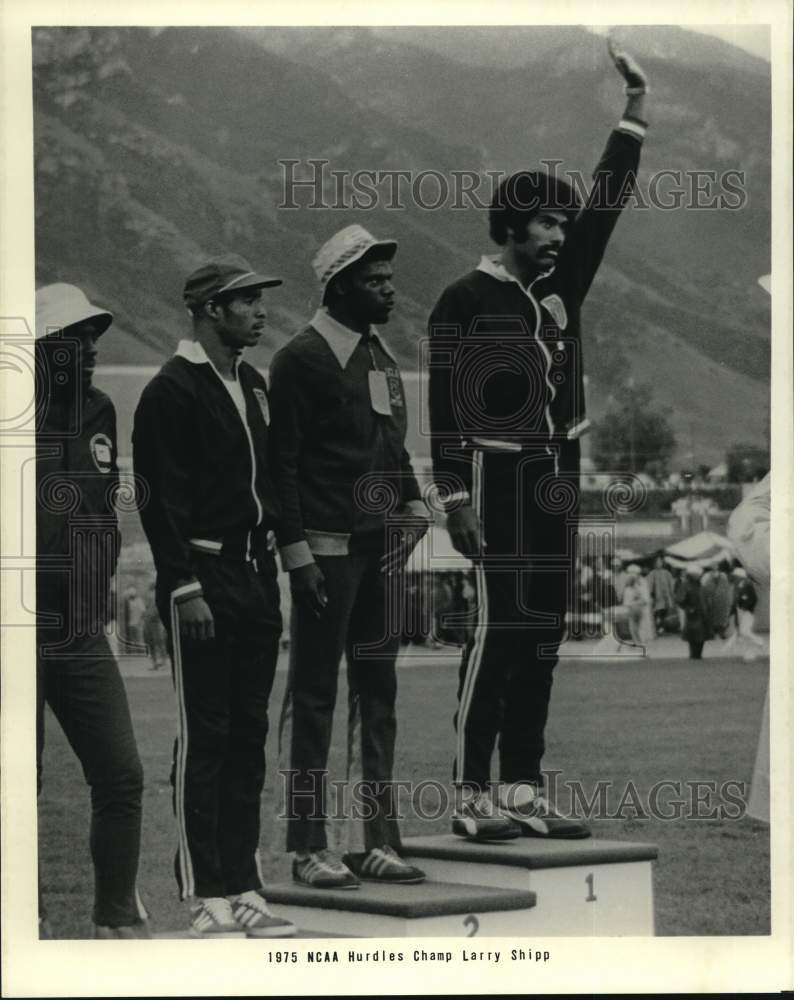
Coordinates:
[505,362]
[340,466]
[202,466]
[77,535]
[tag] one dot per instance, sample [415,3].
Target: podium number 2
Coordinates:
[473,922]
[591,896]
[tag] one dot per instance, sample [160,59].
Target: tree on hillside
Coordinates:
[746,462]
[634,436]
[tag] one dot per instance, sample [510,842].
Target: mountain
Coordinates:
[155,147]
[521,45]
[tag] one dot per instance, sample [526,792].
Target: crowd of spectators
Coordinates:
[628,602]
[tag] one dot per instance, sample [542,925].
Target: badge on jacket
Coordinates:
[261,398]
[554,305]
[395,389]
[102,452]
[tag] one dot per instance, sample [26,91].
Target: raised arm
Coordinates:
[613,179]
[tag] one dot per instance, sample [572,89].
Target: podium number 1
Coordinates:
[591,896]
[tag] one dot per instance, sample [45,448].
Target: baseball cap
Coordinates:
[345,248]
[60,306]
[228,273]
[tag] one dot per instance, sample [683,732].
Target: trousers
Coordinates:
[223,688]
[360,621]
[524,579]
[82,685]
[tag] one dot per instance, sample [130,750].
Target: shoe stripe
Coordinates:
[476,651]
[187,884]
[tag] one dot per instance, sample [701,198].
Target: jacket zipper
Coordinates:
[547,357]
[249,438]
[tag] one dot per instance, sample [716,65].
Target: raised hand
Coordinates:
[628,67]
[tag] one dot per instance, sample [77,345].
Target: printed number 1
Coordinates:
[591,896]
[473,922]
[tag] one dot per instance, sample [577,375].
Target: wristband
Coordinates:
[636,91]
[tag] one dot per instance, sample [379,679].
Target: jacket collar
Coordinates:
[193,351]
[341,339]
[496,269]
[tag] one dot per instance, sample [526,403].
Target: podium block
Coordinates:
[427,910]
[583,888]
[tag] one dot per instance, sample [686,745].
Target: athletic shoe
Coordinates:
[140,929]
[478,819]
[384,864]
[251,912]
[533,812]
[213,918]
[323,870]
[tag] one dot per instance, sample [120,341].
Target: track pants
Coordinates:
[358,615]
[223,687]
[83,687]
[528,518]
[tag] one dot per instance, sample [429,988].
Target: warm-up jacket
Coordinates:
[506,362]
[338,463]
[77,536]
[202,471]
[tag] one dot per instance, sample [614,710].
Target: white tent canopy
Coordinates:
[705,545]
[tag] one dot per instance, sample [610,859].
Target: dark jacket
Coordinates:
[202,473]
[506,363]
[745,595]
[697,625]
[341,467]
[77,534]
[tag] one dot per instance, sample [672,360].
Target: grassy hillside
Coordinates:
[156,147]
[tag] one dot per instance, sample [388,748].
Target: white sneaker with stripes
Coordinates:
[384,864]
[477,818]
[251,912]
[526,805]
[323,870]
[213,918]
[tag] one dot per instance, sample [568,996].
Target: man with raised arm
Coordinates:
[507,410]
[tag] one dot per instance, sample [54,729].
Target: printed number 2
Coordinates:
[473,922]
[591,896]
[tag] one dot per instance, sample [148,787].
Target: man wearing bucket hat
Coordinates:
[208,507]
[77,545]
[507,410]
[345,479]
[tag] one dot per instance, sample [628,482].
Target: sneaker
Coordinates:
[323,870]
[213,918]
[534,814]
[251,912]
[384,864]
[140,929]
[478,819]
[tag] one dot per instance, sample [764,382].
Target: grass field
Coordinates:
[644,721]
